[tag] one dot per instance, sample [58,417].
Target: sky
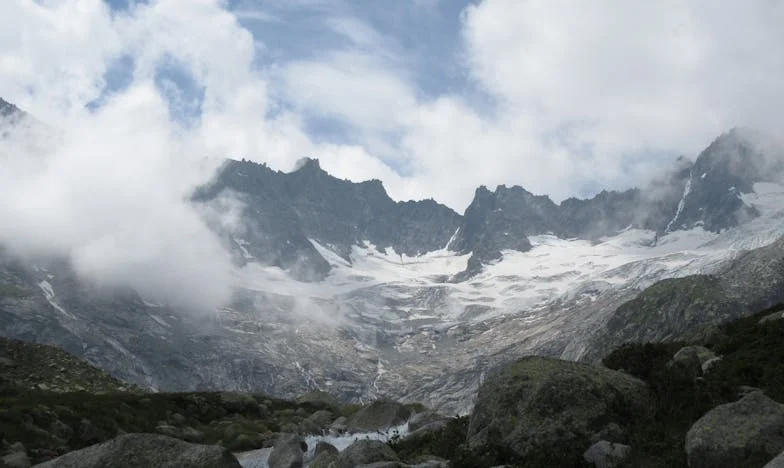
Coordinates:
[433,97]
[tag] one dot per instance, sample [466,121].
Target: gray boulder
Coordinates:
[378,416]
[604,454]
[324,447]
[748,432]
[777,462]
[363,452]
[324,455]
[537,407]
[288,452]
[688,362]
[144,451]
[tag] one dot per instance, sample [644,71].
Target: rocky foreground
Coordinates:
[716,403]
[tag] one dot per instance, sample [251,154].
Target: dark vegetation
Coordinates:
[752,354]
[50,424]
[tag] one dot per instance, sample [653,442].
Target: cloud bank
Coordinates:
[562,97]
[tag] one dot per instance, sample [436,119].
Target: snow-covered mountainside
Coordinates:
[340,288]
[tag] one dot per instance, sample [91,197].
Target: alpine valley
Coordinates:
[339,288]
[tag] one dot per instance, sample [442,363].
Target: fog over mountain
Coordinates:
[220,273]
[289,196]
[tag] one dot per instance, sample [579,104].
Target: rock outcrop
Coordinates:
[550,411]
[748,432]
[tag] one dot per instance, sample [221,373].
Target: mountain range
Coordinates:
[338,287]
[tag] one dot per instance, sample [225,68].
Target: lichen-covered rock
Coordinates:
[144,451]
[363,452]
[748,432]
[377,416]
[548,410]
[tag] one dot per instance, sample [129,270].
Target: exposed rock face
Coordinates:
[377,416]
[548,410]
[288,452]
[748,432]
[7,109]
[681,308]
[728,167]
[144,451]
[364,452]
[284,210]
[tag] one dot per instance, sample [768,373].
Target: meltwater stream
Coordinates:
[259,458]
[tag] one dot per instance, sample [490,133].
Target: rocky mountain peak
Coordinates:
[727,168]
[307,164]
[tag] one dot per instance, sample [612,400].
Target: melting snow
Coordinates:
[48,291]
[681,204]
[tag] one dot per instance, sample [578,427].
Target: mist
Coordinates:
[109,191]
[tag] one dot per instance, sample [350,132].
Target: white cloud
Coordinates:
[636,76]
[585,94]
[110,190]
[577,89]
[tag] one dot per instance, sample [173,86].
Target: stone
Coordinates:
[604,454]
[363,452]
[144,451]
[379,415]
[288,452]
[777,462]
[748,432]
[688,362]
[324,447]
[537,408]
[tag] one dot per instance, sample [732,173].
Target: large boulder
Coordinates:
[550,411]
[777,462]
[377,416]
[687,364]
[144,451]
[364,452]
[748,432]
[288,452]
